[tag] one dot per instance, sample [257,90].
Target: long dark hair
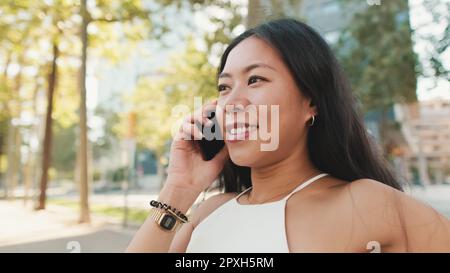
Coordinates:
[338,143]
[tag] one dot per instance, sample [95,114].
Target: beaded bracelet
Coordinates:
[166,207]
[173,211]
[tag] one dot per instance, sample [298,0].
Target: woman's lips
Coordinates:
[237,133]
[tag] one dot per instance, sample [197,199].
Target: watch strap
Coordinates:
[165,220]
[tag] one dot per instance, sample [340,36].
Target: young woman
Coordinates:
[325,188]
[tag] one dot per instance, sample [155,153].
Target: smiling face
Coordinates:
[255,75]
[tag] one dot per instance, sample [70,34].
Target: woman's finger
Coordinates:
[192,131]
[200,116]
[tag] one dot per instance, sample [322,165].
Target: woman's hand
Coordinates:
[187,169]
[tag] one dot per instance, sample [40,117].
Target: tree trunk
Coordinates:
[82,149]
[48,134]
[255,13]
[264,10]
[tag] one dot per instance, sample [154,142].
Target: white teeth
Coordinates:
[239,130]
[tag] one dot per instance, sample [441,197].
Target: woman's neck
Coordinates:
[268,181]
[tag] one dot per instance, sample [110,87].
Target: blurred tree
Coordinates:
[82,155]
[437,45]
[65,122]
[105,142]
[234,20]
[63,150]
[18,33]
[255,14]
[7,41]
[57,22]
[48,134]
[225,20]
[137,17]
[260,11]
[188,75]
[376,53]
[57,25]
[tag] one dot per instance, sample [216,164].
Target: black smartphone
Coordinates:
[212,142]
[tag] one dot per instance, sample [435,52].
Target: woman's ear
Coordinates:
[314,111]
[310,111]
[312,108]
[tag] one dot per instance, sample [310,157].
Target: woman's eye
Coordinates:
[255,79]
[222,87]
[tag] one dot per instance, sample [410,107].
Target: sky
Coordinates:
[419,16]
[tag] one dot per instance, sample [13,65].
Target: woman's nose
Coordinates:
[235,102]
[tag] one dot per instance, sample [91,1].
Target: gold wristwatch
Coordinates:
[166,219]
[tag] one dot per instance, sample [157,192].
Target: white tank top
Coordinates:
[234,227]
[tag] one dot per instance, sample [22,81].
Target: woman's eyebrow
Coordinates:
[247,69]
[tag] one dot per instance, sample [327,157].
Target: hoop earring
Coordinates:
[312,122]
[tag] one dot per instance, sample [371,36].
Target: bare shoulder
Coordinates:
[403,222]
[209,205]
[369,194]
[371,184]
[359,215]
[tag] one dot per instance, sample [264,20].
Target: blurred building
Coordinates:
[426,127]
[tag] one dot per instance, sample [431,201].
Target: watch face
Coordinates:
[168,221]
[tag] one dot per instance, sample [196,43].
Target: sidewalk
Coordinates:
[56,230]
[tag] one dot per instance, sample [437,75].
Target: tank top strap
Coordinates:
[244,191]
[305,184]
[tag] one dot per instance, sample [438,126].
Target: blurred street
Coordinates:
[54,229]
